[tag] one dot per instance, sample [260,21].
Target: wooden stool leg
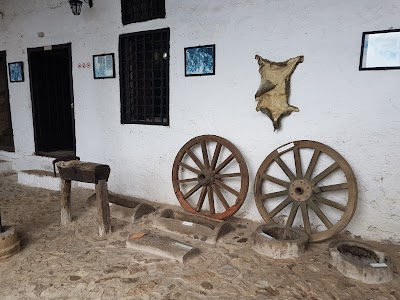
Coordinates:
[103,208]
[65,202]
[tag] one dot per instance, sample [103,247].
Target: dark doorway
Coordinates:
[52,100]
[6,131]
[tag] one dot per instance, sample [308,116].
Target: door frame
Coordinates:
[43,49]
[2,148]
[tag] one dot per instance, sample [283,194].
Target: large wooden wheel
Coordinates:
[210,166]
[324,190]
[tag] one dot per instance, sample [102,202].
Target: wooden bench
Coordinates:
[91,173]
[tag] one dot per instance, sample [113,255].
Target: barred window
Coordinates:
[134,11]
[144,77]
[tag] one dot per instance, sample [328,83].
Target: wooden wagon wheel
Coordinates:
[304,190]
[207,177]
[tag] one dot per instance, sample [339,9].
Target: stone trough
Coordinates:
[123,207]
[191,226]
[162,246]
[361,262]
[9,242]
[280,242]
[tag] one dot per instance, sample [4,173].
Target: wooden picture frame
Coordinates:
[16,71]
[200,60]
[380,50]
[103,66]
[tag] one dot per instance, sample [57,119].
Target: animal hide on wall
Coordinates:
[273,93]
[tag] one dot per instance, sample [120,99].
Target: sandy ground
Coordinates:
[72,262]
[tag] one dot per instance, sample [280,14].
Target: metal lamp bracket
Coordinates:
[90,2]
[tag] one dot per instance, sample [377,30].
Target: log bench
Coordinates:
[88,172]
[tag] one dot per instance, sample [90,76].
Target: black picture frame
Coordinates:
[104,66]
[379,50]
[200,60]
[16,71]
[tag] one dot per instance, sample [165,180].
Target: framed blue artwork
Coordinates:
[380,50]
[200,60]
[16,71]
[103,66]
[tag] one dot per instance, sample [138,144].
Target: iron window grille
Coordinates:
[134,11]
[144,77]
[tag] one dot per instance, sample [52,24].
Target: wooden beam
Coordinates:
[103,208]
[65,202]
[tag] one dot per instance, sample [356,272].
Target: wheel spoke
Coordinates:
[195,159]
[218,176]
[192,191]
[329,188]
[224,163]
[306,218]
[285,168]
[210,194]
[274,195]
[201,199]
[215,156]
[297,162]
[228,188]
[328,202]
[320,214]
[333,167]
[281,206]
[220,196]
[205,154]
[292,215]
[187,180]
[312,164]
[189,168]
[276,180]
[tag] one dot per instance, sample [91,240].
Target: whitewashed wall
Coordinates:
[354,112]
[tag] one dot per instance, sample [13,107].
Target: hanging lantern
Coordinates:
[76,6]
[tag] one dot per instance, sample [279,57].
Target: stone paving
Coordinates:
[72,262]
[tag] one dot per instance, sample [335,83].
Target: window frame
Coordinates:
[122,77]
[131,20]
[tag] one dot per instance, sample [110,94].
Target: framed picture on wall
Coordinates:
[16,71]
[380,50]
[103,66]
[200,60]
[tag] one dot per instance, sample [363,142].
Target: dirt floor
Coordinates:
[72,262]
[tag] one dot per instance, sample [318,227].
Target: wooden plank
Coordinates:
[83,171]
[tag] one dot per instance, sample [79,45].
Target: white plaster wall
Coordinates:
[354,112]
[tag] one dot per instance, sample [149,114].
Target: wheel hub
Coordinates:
[300,190]
[206,177]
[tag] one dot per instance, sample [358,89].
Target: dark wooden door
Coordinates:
[52,99]
[6,131]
